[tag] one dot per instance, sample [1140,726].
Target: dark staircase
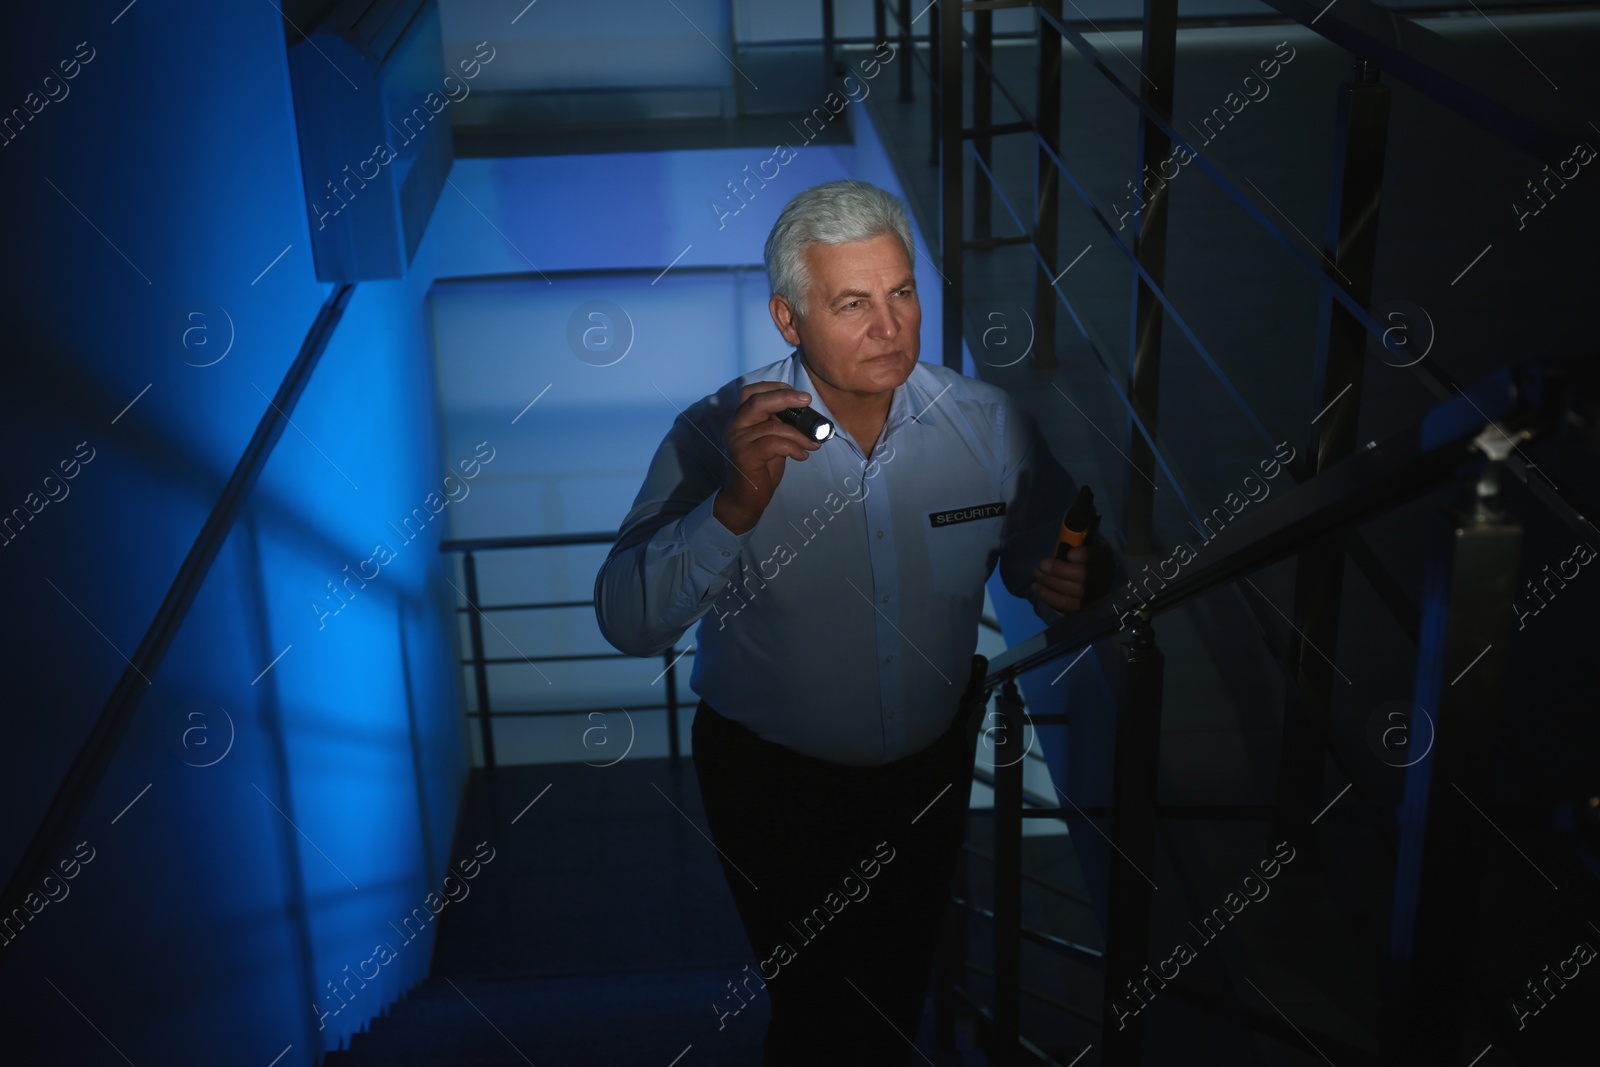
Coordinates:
[601,933]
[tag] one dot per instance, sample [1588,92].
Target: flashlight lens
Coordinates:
[808,421]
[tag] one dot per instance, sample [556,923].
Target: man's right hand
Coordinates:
[758,445]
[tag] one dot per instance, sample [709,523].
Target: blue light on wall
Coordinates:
[287,792]
[272,765]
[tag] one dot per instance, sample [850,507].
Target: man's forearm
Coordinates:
[648,593]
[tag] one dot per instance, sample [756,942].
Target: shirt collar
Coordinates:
[910,398]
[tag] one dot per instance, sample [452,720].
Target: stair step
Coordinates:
[599,1019]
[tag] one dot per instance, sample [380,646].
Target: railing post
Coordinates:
[1009,752]
[908,51]
[1466,639]
[480,671]
[936,82]
[1158,66]
[948,139]
[1350,246]
[672,702]
[952,961]
[982,117]
[880,22]
[78,786]
[1047,184]
[1134,785]
[829,45]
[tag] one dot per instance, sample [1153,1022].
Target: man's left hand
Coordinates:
[1083,578]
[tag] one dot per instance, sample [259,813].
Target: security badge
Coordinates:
[972,513]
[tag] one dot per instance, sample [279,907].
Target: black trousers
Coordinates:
[841,876]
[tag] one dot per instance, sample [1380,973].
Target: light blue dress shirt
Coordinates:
[843,624]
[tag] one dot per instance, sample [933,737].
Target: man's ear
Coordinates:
[785,319]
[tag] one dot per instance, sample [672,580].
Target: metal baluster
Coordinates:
[672,702]
[480,671]
[908,51]
[1133,835]
[938,87]
[1047,183]
[1158,63]
[948,146]
[982,118]
[1009,752]
[1350,246]
[1466,639]
[952,960]
[829,45]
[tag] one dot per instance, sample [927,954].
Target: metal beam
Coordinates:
[1463,663]
[949,144]
[1158,64]
[1521,107]
[1350,245]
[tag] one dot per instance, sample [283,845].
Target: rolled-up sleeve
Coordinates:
[672,557]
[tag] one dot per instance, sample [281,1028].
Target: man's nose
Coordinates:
[885,321]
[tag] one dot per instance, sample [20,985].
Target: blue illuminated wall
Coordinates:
[259,829]
[287,792]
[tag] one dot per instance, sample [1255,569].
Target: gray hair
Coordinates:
[831,213]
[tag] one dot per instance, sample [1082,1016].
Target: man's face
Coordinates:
[862,330]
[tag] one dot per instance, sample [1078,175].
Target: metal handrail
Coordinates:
[1339,486]
[478,661]
[468,547]
[1133,23]
[485,544]
[1377,573]
[1537,122]
[1433,377]
[1511,403]
[1430,375]
[1225,181]
[99,746]
[1416,458]
[1508,126]
[1255,420]
[1383,581]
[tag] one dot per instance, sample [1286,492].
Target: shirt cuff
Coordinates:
[712,545]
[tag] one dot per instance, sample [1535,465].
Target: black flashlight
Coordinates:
[807,421]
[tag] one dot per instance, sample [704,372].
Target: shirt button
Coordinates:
[880,537]
[886,598]
[725,553]
[888,659]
